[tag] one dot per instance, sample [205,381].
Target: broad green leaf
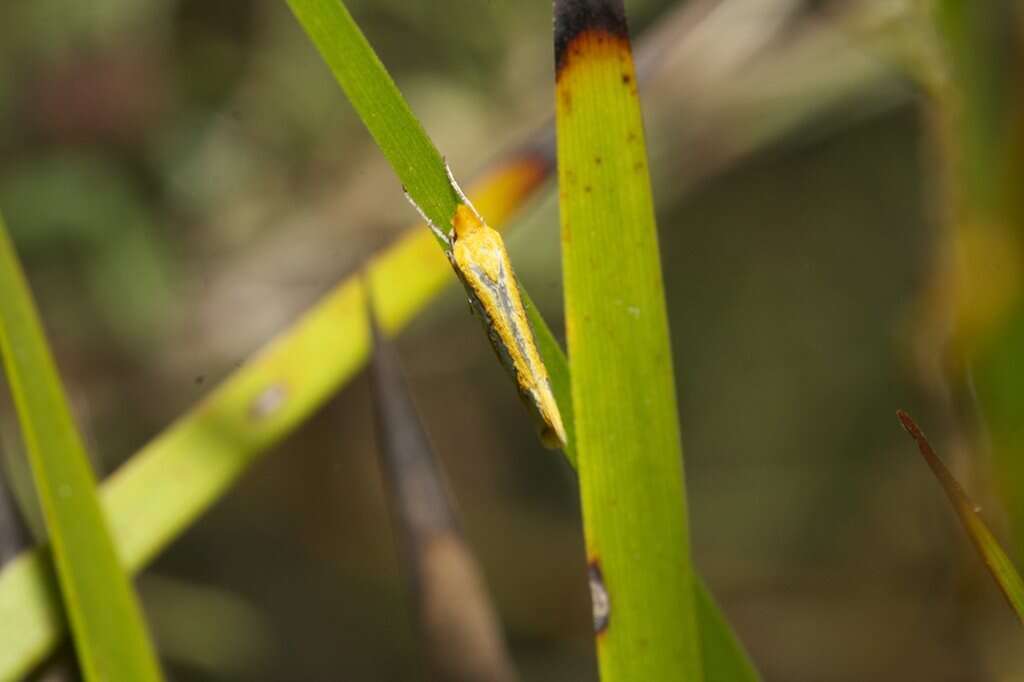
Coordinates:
[106,621]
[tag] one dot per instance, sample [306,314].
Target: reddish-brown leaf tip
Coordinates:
[910,425]
[574,18]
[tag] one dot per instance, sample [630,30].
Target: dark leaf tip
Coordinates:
[574,18]
[910,425]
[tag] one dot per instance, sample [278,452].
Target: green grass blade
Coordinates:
[627,432]
[380,105]
[723,655]
[996,560]
[106,621]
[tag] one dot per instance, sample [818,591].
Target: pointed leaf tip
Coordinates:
[996,560]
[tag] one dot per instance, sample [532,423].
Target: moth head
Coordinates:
[465,221]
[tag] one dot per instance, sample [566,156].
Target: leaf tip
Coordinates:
[575,19]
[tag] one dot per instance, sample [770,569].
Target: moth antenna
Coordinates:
[462,195]
[441,234]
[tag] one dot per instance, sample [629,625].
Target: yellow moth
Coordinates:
[477,253]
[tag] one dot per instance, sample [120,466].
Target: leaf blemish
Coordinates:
[599,600]
[268,401]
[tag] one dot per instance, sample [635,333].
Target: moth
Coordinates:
[477,254]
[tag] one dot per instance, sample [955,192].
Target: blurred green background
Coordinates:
[183,178]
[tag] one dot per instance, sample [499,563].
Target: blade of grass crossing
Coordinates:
[109,632]
[998,563]
[627,434]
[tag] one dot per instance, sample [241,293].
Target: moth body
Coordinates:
[479,257]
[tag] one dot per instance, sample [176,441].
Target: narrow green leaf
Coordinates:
[380,105]
[998,563]
[627,433]
[723,655]
[109,632]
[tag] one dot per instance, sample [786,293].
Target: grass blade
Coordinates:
[724,658]
[998,563]
[106,621]
[627,433]
[457,621]
[380,105]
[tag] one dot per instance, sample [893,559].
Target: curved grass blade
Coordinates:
[456,618]
[996,560]
[106,621]
[627,434]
